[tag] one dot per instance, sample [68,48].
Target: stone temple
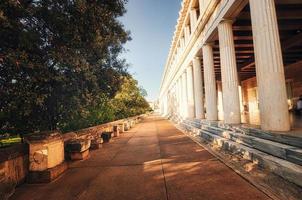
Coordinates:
[236,61]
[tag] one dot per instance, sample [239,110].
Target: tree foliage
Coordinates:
[130,101]
[59,64]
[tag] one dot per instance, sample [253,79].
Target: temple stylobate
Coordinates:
[235,61]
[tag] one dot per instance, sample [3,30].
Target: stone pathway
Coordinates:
[152,161]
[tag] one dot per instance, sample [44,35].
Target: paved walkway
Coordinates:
[152,161]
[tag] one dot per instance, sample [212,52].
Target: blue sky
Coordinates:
[152,24]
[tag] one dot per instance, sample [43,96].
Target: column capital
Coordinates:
[225,20]
[197,58]
[208,44]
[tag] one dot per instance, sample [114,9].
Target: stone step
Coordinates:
[279,150]
[276,137]
[245,129]
[287,152]
[287,170]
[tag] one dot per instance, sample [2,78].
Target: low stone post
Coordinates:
[107,136]
[96,142]
[126,125]
[78,149]
[121,127]
[116,131]
[46,157]
[131,123]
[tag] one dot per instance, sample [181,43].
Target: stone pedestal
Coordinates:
[121,127]
[269,66]
[126,126]
[78,149]
[116,131]
[79,155]
[107,136]
[132,123]
[46,156]
[96,143]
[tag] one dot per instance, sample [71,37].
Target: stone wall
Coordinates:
[14,160]
[13,168]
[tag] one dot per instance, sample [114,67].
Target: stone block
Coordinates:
[107,136]
[48,175]
[96,143]
[77,145]
[46,150]
[294,155]
[116,131]
[126,126]
[121,127]
[79,155]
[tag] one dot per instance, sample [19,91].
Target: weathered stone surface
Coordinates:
[121,127]
[45,151]
[280,150]
[79,155]
[107,136]
[48,175]
[14,170]
[7,189]
[116,131]
[276,137]
[126,126]
[43,136]
[96,143]
[294,155]
[283,168]
[77,145]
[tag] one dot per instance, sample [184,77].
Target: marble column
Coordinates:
[274,114]
[182,110]
[219,100]
[209,83]
[190,92]
[184,95]
[229,77]
[193,19]
[179,97]
[198,89]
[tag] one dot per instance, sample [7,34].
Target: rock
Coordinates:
[96,143]
[107,136]
[116,131]
[77,145]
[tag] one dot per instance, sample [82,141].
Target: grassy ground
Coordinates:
[10,141]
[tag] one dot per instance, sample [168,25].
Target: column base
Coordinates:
[48,175]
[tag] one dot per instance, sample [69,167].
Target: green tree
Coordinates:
[58,61]
[129,100]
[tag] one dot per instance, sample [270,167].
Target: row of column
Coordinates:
[269,69]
